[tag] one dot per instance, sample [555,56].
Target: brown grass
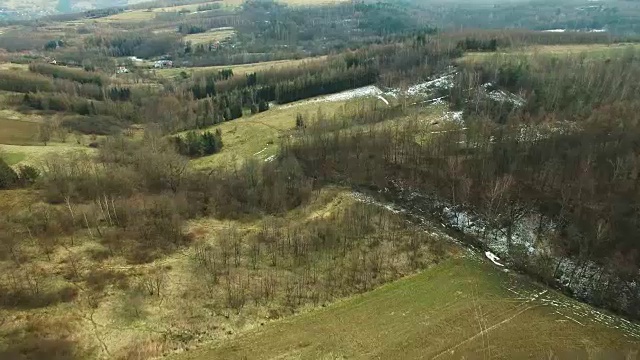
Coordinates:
[591,50]
[207,37]
[129,17]
[240,70]
[17,132]
[143,349]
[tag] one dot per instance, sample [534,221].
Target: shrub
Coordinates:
[61,72]
[24,82]
[98,125]
[28,174]
[8,177]
[195,145]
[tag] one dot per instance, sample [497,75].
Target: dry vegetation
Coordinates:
[259,136]
[243,69]
[232,277]
[590,50]
[209,36]
[459,309]
[147,213]
[133,16]
[17,132]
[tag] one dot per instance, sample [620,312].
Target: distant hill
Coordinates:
[21,9]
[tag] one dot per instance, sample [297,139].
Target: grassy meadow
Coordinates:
[209,36]
[588,50]
[240,70]
[462,308]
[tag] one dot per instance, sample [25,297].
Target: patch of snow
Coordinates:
[261,151]
[582,8]
[383,99]
[598,30]
[422,89]
[437,101]
[504,96]
[584,279]
[443,82]
[361,92]
[371,90]
[224,28]
[454,116]
[555,30]
[493,257]
[270,158]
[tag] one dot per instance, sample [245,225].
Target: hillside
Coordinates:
[461,308]
[196,179]
[35,8]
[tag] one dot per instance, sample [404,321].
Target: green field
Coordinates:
[591,50]
[462,308]
[13,158]
[34,154]
[260,135]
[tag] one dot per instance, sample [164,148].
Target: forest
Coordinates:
[180,172]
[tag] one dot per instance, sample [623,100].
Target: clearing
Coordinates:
[461,308]
[244,68]
[13,66]
[17,132]
[33,155]
[592,50]
[209,36]
[259,135]
[293,2]
[129,16]
[188,7]
[13,158]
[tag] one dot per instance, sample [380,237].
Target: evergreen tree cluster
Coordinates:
[332,81]
[208,7]
[120,94]
[140,44]
[9,178]
[195,144]
[61,72]
[204,86]
[190,29]
[473,44]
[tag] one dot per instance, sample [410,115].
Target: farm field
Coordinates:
[462,308]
